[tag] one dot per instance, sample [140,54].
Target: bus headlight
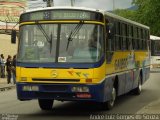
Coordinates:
[80,89]
[30,88]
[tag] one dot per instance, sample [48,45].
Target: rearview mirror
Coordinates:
[110,30]
[13,37]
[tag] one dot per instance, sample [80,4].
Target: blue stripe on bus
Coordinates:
[61,65]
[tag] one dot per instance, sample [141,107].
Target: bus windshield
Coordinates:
[41,43]
[155,48]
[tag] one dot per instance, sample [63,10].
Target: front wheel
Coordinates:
[109,104]
[138,89]
[45,104]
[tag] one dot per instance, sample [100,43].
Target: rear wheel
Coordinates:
[138,89]
[45,104]
[109,104]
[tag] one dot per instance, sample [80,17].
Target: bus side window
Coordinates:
[109,40]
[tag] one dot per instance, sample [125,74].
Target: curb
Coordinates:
[7,88]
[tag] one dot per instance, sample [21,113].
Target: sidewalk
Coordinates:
[4,86]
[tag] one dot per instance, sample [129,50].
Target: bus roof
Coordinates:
[124,19]
[152,37]
[64,7]
[89,9]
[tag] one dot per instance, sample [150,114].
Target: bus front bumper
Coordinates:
[63,92]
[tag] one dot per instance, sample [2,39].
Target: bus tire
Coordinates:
[138,89]
[45,104]
[108,105]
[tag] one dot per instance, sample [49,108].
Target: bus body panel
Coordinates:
[52,75]
[100,87]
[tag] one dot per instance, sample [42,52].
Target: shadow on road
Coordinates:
[85,109]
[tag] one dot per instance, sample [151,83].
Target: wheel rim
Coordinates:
[113,97]
[140,86]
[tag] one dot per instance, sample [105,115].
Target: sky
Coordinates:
[97,4]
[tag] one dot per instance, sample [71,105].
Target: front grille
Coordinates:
[54,95]
[56,80]
[59,88]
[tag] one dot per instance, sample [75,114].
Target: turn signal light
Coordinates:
[89,80]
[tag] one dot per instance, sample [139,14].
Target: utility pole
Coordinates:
[113,5]
[72,2]
[49,3]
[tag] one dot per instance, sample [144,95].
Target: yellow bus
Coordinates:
[79,54]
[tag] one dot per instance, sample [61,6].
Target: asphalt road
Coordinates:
[126,104]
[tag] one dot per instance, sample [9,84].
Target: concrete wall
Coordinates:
[6,47]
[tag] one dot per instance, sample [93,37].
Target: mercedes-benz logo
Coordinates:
[54,73]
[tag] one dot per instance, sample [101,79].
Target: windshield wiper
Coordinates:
[43,31]
[74,32]
[49,40]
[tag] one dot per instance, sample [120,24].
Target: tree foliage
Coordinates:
[129,14]
[148,13]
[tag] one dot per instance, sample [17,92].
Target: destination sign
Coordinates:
[61,15]
[72,15]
